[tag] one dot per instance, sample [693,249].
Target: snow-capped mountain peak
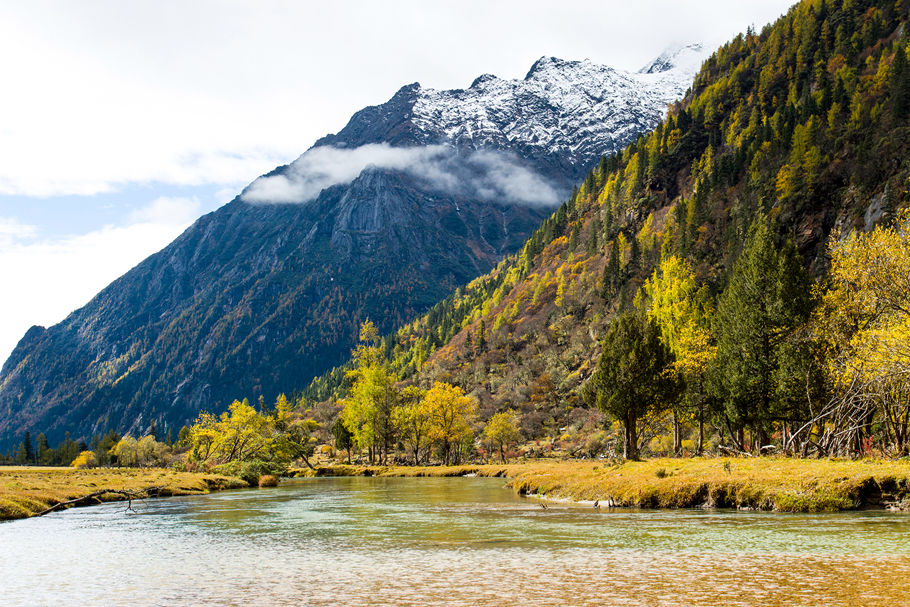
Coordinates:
[577,108]
[546,67]
[683,57]
[563,115]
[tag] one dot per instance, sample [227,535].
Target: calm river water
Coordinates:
[462,541]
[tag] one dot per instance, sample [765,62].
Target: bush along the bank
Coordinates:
[251,471]
[248,443]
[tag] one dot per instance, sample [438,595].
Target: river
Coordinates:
[455,541]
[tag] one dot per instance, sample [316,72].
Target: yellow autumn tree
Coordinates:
[502,430]
[451,412]
[414,420]
[86,459]
[682,311]
[240,433]
[244,434]
[369,410]
[126,452]
[292,438]
[865,323]
[143,452]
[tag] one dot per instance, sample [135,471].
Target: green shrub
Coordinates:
[250,471]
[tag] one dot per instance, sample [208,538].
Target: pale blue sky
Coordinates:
[122,122]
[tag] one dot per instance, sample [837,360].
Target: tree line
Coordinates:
[380,417]
[781,363]
[110,449]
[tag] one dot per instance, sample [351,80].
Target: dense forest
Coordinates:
[750,250]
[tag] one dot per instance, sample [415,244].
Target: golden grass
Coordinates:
[268,480]
[780,484]
[27,491]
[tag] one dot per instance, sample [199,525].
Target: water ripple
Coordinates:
[444,541]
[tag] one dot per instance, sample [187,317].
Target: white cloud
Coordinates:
[51,278]
[81,123]
[168,211]
[502,176]
[485,174]
[227,194]
[326,166]
[12,230]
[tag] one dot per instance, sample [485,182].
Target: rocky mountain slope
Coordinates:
[411,199]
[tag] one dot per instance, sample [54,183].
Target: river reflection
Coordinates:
[463,541]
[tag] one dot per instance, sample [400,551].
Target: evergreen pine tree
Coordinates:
[343,437]
[607,227]
[42,449]
[482,337]
[900,83]
[695,214]
[589,183]
[27,447]
[104,446]
[20,455]
[631,378]
[611,273]
[603,168]
[595,234]
[768,295]
[634,257]
[573,239]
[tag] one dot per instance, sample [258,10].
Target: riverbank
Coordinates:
[776,484]
[27,491]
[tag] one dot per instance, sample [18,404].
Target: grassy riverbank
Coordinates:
[26,491]
[780,484]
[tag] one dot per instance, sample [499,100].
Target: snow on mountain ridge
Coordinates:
[686,57]
[561,106]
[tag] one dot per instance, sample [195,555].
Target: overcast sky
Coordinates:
[122,122]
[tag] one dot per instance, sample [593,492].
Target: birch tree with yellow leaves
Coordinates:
[682,311]
[865,324]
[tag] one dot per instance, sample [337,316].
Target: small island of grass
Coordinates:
[775,484]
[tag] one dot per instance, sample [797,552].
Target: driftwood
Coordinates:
[731,451]
[128,495]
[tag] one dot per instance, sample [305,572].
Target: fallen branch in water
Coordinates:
[129,495]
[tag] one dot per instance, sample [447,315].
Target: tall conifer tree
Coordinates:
[631,379]
[768,295]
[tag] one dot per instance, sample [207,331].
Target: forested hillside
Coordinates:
[717,231]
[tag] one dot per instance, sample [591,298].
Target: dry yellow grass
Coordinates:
[781,484]
[268,480]
[27,491]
